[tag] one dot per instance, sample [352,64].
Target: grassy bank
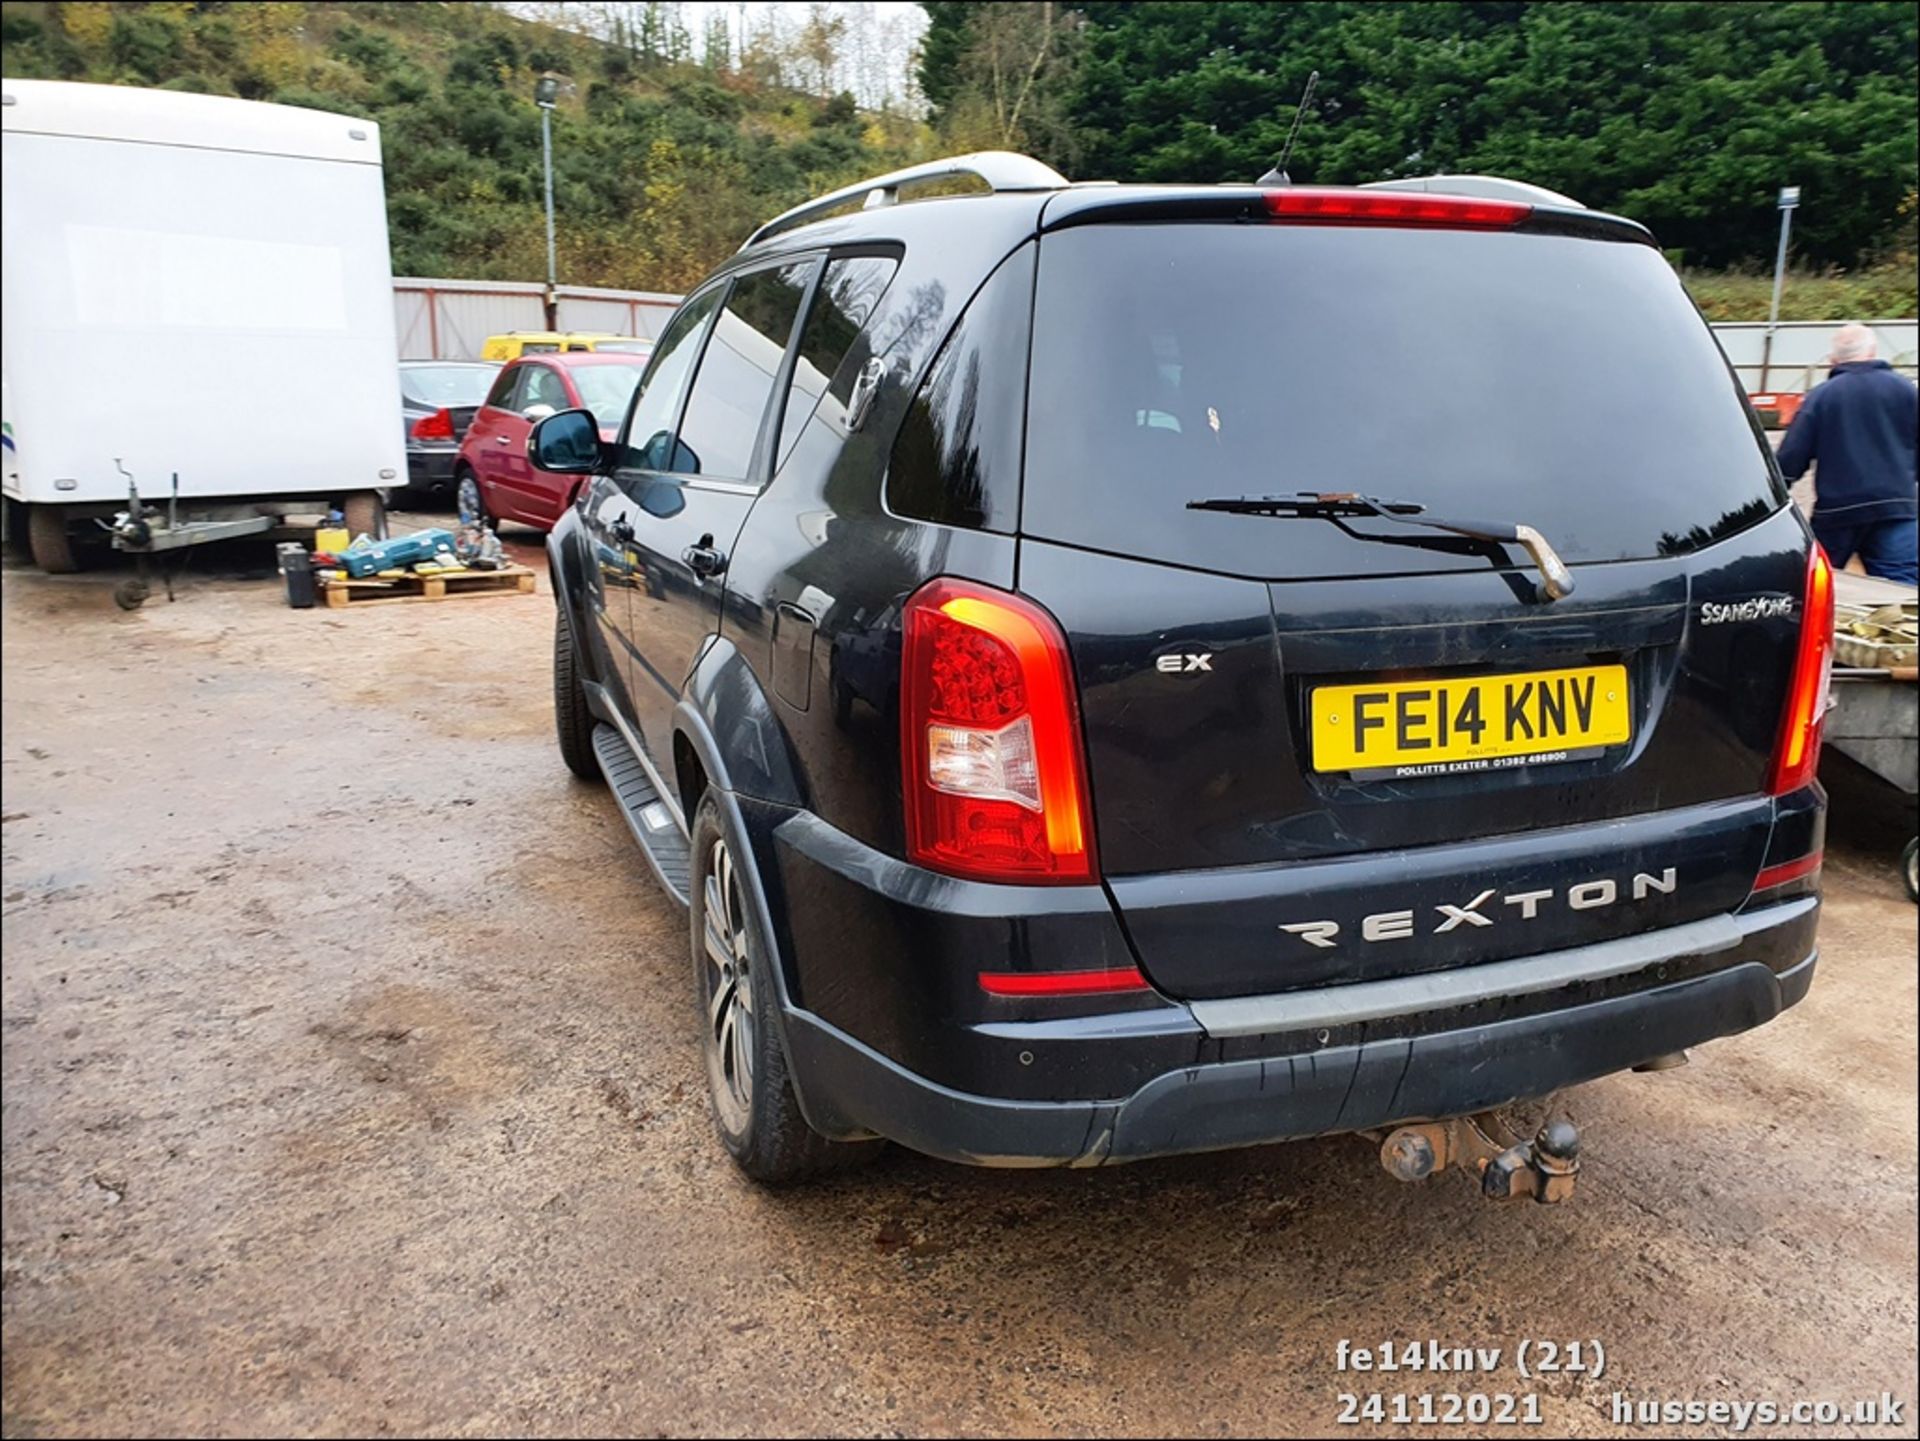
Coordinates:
[1883,292]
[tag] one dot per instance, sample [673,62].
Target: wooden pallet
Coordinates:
[338,594]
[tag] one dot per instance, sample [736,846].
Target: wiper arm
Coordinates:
[1556,581]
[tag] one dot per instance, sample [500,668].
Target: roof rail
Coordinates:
[1001,169]
[1481,187]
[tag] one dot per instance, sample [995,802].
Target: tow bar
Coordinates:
[1544,1168]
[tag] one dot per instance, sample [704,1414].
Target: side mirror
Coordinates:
[567,443]
[537,412]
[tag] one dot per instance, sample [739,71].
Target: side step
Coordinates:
[648,815]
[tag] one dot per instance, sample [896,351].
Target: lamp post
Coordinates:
[1789,202]
[545,91]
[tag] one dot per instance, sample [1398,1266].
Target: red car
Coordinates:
[492,476]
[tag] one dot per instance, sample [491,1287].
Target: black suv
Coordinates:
[1120,670]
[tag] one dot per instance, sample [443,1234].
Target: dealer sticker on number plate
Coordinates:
[1488,722]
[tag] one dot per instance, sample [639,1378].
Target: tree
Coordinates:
[1684,114]
[1001,76]
[716,46]
[819,45]
[942,49]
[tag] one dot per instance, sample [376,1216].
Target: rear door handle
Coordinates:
[704,560]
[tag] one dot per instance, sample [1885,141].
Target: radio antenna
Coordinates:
[1278,175]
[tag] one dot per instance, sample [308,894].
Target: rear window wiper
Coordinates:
[1556,581]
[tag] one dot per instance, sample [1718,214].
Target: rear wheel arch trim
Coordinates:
[767,771]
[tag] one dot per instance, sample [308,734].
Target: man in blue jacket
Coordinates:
[1858,427]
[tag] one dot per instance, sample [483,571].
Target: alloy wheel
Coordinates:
[467,498]
[728,1040]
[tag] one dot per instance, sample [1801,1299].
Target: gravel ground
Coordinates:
[351,1088]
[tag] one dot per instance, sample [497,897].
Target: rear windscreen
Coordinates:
[445,385]
[1561,383]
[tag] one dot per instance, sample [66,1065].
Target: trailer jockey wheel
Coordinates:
[131,594]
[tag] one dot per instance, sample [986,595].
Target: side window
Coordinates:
[957,457]
[737,372]
[501,396]
[544,387]
[832,349]
[649,444]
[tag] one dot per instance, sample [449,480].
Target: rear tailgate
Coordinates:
[1324,752]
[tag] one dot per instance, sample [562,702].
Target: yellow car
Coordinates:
[516,343]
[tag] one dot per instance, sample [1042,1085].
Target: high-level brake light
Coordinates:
[1393,207]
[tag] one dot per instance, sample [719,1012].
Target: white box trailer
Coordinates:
[196,287]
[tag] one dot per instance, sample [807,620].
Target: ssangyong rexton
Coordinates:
[1120,670]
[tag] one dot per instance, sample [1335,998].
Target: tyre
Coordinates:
[467,503]
[754,1109]
[572,721]
[16,528]
[1910,868]
[366,514]
[468,500]
[48,540]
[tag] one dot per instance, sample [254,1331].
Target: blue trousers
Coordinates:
[1885,547]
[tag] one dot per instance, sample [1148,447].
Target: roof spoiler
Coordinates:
[1481,187]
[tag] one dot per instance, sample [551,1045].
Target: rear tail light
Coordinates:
[991,767]
[1787,871]
[1797,756]
[438,426]
[1394,207]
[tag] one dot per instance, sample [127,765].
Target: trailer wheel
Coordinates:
[366,514]
[131,594]
[48,540]
[16,528]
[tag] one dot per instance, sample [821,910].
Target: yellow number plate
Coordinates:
[1488,722]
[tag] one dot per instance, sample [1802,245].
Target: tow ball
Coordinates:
[1508,1166]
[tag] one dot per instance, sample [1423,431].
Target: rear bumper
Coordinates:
[1453,1066]
[431,470]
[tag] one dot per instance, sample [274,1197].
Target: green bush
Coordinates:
[214,39]
[403,86]
[145,44]
[485,62]
[373,53]
[702,96]
[195,83]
